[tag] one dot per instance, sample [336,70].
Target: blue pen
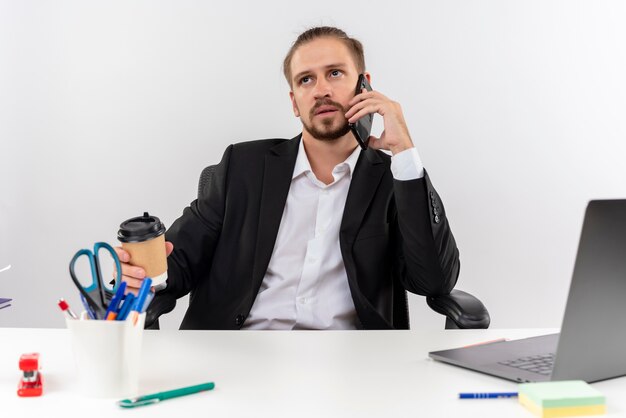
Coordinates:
[144,290]
[147,302]
[111,312]
[488,395]
[129,301]
[90,311]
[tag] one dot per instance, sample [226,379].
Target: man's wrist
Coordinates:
[396,149]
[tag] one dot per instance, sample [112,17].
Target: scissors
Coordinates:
[97,294]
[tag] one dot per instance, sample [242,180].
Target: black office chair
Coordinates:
[462,310]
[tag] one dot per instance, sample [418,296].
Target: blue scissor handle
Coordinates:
[118,267]
[94,264]
[96,294]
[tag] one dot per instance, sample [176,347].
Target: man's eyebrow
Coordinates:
[305,72]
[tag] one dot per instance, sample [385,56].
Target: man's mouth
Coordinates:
[326,110]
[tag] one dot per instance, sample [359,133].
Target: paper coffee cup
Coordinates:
[143,238]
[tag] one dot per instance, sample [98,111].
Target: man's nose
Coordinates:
[322,89]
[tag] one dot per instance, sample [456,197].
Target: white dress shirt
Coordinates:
[306,285]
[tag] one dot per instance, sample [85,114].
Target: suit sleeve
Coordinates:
[427,252]
[195,234]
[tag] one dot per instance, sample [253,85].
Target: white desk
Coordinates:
[279,374]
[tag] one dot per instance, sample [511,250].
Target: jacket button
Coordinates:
[437,220]
[239,320]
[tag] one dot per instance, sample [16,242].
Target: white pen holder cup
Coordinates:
[107,355]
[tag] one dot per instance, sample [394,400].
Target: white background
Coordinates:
[112,108]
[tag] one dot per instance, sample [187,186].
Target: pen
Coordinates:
[142,294]
[140,299]
[123,312]
[488,395]
[161,396]
[90,311]
[148,301]
[66,308]
[111,312]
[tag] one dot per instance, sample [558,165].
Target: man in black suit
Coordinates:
[312,232]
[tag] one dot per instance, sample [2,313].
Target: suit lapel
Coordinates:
[279,164]
[367,174]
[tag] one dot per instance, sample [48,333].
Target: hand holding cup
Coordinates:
[131,274]
[144,251]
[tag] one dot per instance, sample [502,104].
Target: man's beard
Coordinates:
[326,132]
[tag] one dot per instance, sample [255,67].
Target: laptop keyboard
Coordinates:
[541,363]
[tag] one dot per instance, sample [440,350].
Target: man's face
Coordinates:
[323,77]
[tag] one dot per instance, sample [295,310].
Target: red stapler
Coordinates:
[31,383]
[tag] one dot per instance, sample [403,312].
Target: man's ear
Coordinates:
[368,77]
[296,112]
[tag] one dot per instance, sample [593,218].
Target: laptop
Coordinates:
[592,343]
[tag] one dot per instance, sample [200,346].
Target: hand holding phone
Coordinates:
[362,127]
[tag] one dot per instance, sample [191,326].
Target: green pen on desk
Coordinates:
[161,396]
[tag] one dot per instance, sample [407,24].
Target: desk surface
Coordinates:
[280,374]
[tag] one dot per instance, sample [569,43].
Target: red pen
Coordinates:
[66,308]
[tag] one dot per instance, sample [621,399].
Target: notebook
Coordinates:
[5,302]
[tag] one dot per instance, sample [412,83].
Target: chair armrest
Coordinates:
[162,303]
[463,309]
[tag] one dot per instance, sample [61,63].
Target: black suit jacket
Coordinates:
[394,235]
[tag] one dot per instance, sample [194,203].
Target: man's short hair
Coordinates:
[354,46]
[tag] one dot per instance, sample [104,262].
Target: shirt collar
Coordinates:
[302,161]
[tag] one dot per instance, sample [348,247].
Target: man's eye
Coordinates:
[305,80]
[335,73]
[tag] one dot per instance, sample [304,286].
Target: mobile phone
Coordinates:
[362,127]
